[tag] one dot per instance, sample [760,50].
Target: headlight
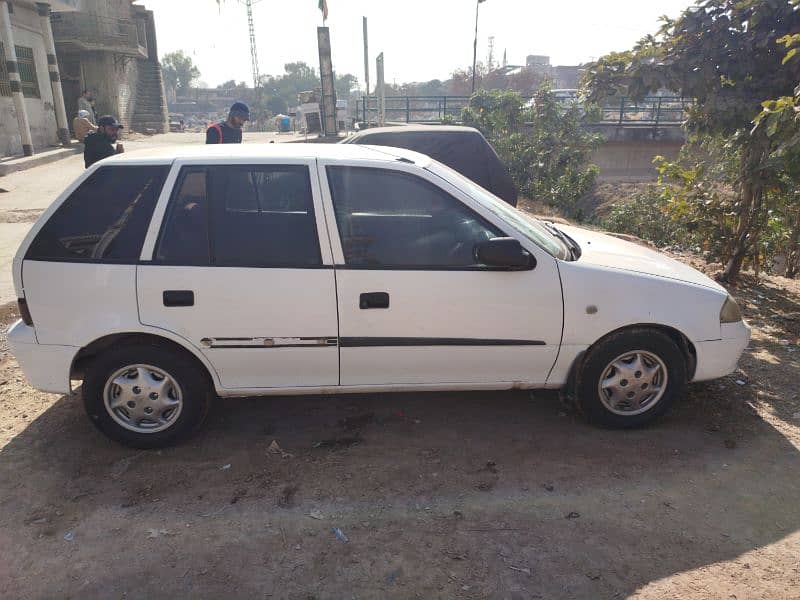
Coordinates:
[730,312]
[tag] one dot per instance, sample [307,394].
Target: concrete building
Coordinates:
[560,76]
[32,114]
[110,47]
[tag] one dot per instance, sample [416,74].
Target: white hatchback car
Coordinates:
[163,278]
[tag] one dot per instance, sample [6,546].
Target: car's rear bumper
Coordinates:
[718,358]
[46,366]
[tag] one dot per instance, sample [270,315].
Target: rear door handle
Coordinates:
[373,300]
[178,298]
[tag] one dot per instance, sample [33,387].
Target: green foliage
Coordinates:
[179,70]
[544,145]
[730,57]
[695,207]
[645,216]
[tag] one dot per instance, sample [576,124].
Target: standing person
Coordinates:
[230,131]
[100,144]
[82,126]
[86,102]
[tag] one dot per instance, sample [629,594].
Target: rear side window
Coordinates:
[105,219]
[242,216]
[185,239]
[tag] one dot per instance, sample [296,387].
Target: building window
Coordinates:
[5,86]
[27,72]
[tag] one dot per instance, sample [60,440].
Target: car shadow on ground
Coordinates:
[445,495]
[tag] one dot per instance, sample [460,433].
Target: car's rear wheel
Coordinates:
[631,378]
[146,396]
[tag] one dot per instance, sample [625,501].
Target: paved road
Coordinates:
[25,194]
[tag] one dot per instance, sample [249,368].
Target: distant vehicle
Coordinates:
[461,148]
[177,123]
[164,278]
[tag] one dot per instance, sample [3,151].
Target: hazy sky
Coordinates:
[420,39]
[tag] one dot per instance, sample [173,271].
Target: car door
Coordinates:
[240,271]
[414,307]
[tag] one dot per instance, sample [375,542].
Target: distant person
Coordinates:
[230,131]
[86,102]
[82,126]
[101,143]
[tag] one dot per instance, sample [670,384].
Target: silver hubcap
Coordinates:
[143,398]
[633,383]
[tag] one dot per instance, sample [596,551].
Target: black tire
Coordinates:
[600,356]
[195,385]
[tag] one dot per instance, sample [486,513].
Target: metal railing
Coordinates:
[81,31]
[653,111]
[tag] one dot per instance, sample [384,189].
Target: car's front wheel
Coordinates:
[630,378]
[146,396]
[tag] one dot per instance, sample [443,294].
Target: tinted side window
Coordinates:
[242,216]
[263,216]
[393,219]
[106,218]
[184,239]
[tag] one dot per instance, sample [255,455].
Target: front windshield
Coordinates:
[527,225]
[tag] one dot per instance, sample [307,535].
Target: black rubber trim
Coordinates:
[374,342]
[423,268]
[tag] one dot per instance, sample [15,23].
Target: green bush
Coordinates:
[544,145]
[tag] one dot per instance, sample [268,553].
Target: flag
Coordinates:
[323,6]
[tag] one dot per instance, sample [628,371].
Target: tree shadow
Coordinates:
[443,495]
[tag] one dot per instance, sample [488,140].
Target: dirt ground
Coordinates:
[459,495]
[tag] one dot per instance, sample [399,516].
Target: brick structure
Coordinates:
[110,47]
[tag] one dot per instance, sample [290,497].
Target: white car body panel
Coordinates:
[297,317]
[238,308]
[447,304]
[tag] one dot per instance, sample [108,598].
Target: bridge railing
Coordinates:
[652,111]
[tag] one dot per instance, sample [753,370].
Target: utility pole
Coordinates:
[380,90]
[475,44]
[254,56]
[366,58]
[328,103]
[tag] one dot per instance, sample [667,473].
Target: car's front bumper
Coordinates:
[718,358]
[46,366]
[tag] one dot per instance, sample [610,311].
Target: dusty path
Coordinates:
[440,495]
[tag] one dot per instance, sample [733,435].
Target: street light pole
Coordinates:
[475,45]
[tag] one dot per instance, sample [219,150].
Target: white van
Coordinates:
[165,278]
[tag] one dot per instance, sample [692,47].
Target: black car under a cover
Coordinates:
[461,148]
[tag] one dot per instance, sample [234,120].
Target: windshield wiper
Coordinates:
[572,245]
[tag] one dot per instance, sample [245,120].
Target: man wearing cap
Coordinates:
[100,144]
[230,131]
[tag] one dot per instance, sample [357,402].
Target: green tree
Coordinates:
[179,71]
[544,145]
[724,55]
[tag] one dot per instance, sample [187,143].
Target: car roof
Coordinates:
[238,152]
[446,129]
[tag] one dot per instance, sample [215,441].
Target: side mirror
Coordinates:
[504,252]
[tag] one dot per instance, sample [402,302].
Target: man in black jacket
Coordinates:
[100,144]
[230,131]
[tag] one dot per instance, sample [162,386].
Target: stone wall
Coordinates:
[113,78]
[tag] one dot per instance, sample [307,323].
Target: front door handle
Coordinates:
[178,298]
[373,300]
